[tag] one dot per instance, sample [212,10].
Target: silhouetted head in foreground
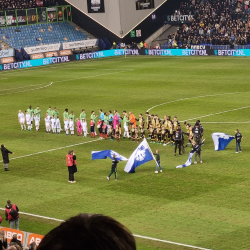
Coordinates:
[89,232]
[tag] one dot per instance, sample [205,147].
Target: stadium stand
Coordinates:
[215,22]
[24,4]
[41,34]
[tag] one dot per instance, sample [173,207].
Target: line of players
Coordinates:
[163,131]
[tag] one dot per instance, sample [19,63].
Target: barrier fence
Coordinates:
[18,17]
[122,52]
[26,238]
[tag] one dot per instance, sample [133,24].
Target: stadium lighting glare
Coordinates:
[110,29]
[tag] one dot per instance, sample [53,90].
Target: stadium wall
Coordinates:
[123,52]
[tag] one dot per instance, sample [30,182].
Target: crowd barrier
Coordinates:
[123,52]
[26,238]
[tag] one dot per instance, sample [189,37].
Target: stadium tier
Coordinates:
[24,4]
[41,34]
[213,22]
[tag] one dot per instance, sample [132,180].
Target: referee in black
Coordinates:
[113,167]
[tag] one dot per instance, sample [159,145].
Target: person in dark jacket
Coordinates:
[5,154]
[238,137]
[113,168]
[12,218]
[14,241]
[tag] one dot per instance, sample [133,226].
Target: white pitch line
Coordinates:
[4,79]
[224,122]
[136,235]
[81,143]
[28,89]
[84,77]
[196,97]
[22,87]
[218,113]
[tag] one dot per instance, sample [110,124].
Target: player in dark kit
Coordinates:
[179,139]
[113,168]
[197,131]
[238,138]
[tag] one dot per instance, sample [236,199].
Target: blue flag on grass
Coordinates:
[107,153]
[221,140]
[141,155]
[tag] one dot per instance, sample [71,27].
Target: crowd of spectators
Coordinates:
[25,4]
[214,22]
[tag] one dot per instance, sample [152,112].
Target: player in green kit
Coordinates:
[66,114]
[50,111]
[38,112]
[94,118]
[31,112]
[72,116]
[55,112]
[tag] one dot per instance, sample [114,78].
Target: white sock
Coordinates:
[24,126]
[72,132]
[29,127]
[67,132]
[85,134]
[127,134]
[21,126]
[58,130]
[36,127]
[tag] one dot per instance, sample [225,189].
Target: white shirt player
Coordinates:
[71,125]
[21,117]
[37,120]
[66,125]
[53,122]
[47,121]
[28,119]
[84,126]
[58,123]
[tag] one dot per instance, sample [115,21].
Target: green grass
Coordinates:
[205,205]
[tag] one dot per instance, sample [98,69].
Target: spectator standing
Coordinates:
[70,164]
[11,213]
[5,154]
[238,137]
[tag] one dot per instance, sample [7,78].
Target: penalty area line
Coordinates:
[135,235]
[54,149]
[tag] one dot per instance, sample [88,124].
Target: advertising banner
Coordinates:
[144,4]
[2,19]
[37,56]
[26,238]
[95,6]
[42,48]
[52,17]
[80,44]
[32,17]
[178,18]
[42,15]
[6,53]
[8,60]
[9,234]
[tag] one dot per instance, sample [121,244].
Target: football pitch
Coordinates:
[204,205]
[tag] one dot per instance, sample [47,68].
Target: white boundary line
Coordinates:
[224,122]
[84,77]
[231,110]
[136,235]
[28,89]
[196,97]
[81,143]
[21,87]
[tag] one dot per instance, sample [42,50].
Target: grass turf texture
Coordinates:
[204,205]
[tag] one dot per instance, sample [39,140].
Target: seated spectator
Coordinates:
[89,232]
[14,241]
[3,240]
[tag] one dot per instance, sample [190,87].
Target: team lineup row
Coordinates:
[109,124]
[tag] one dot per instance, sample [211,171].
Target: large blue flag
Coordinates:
[107,153]
[141,155]
[189,160]
[221,140]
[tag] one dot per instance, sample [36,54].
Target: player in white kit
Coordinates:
[28,120]
[58,125]
[53,124]
[66,126]
[37,122]
[21,119]
[71,126]
[84,127]
[47,123]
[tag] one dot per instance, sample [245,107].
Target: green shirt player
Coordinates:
[55,113]
[72,116]
[83,115]
[31,112]
[93,116]
[66,114]
[50,111]
[38,112]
